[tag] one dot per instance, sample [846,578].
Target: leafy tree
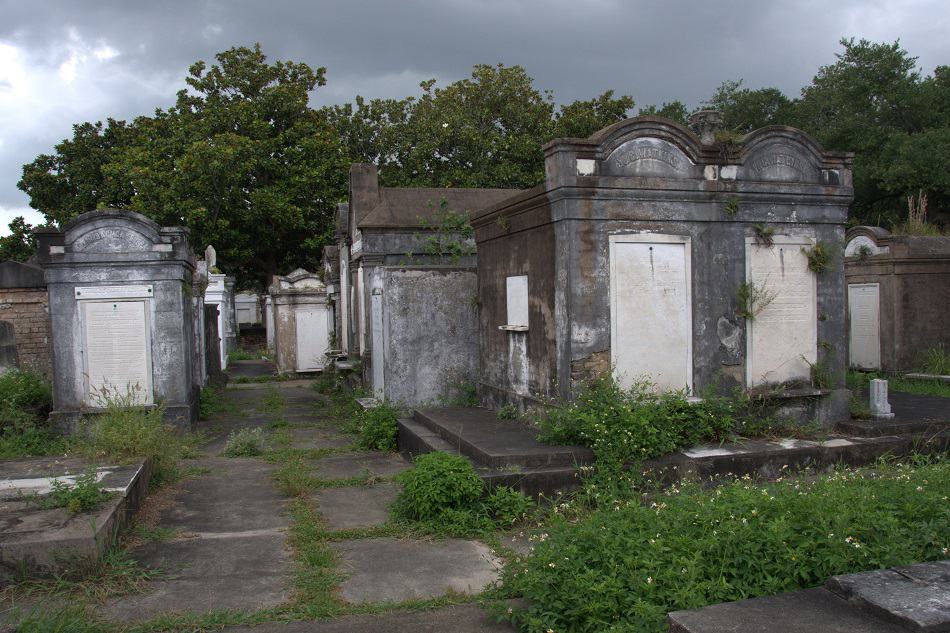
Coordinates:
[20,244]
[744,110]
[483,131]
[71,181]
[874,102]
[675,110]
[580,119]
[240,159]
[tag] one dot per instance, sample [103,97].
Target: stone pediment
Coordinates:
[111,240]
[112,231]
[301,279]
[779,162]
[649,157]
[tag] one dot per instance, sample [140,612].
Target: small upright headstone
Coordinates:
[211,257]
[880,407]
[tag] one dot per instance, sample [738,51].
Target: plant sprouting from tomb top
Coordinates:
[764,235]
[732,206]
[449,233]
[820,257]
[752,298]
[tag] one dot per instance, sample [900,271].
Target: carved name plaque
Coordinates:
[111,240]
[649,157]
[113,292]
[780,163]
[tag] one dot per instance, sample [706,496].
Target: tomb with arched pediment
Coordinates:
[630,256]
[122,315]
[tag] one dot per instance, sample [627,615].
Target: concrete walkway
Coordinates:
[225,531]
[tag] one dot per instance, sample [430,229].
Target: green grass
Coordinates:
[273,402]
[153,534]
[115,574]
[124,433]
[241,354]
[936,360]
[212,402]
[859,380]
[616,557]
[84,495]
[246,443]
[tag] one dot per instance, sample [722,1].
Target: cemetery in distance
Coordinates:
[668,388]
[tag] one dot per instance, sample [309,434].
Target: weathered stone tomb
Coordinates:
[220,293]
[408,308]
[898,293]
[247,308]
[301,322]
[121,314]
[634,253]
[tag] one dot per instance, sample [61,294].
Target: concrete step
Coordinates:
[773,459]
[417,439]
[880,428]
[493,443]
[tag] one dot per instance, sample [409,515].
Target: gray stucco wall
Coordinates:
[430,331]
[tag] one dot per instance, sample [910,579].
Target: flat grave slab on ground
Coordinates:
[394,570]
[250,368]
[463,618]
[243,573]
[235,495]
[805,611]
[311,437]
[356,506]
[357,464]
[919,600]
[54,540]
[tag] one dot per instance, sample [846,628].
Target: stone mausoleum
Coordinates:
[408,309]
[220,293]
[635,254]
[121,315]
[898,293]
[302,322]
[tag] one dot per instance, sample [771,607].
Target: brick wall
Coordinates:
[28,310]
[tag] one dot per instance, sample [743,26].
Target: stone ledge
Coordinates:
[38,542]
[912,598]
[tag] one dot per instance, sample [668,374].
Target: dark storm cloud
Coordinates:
[67,61]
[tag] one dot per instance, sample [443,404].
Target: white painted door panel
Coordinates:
[312,337]
[782,338]
[864,313]
[116,350]
[651,320]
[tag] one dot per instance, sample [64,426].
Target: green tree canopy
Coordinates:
[486,130]
[872,101]
[20,244]
[240,159]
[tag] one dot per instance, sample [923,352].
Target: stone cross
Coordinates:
[880,407]
[211,257]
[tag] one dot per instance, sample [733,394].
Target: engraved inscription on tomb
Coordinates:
[649,157]
[111,240]
[759,165]
[629,155]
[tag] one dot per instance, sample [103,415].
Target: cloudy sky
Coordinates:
[67,61]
